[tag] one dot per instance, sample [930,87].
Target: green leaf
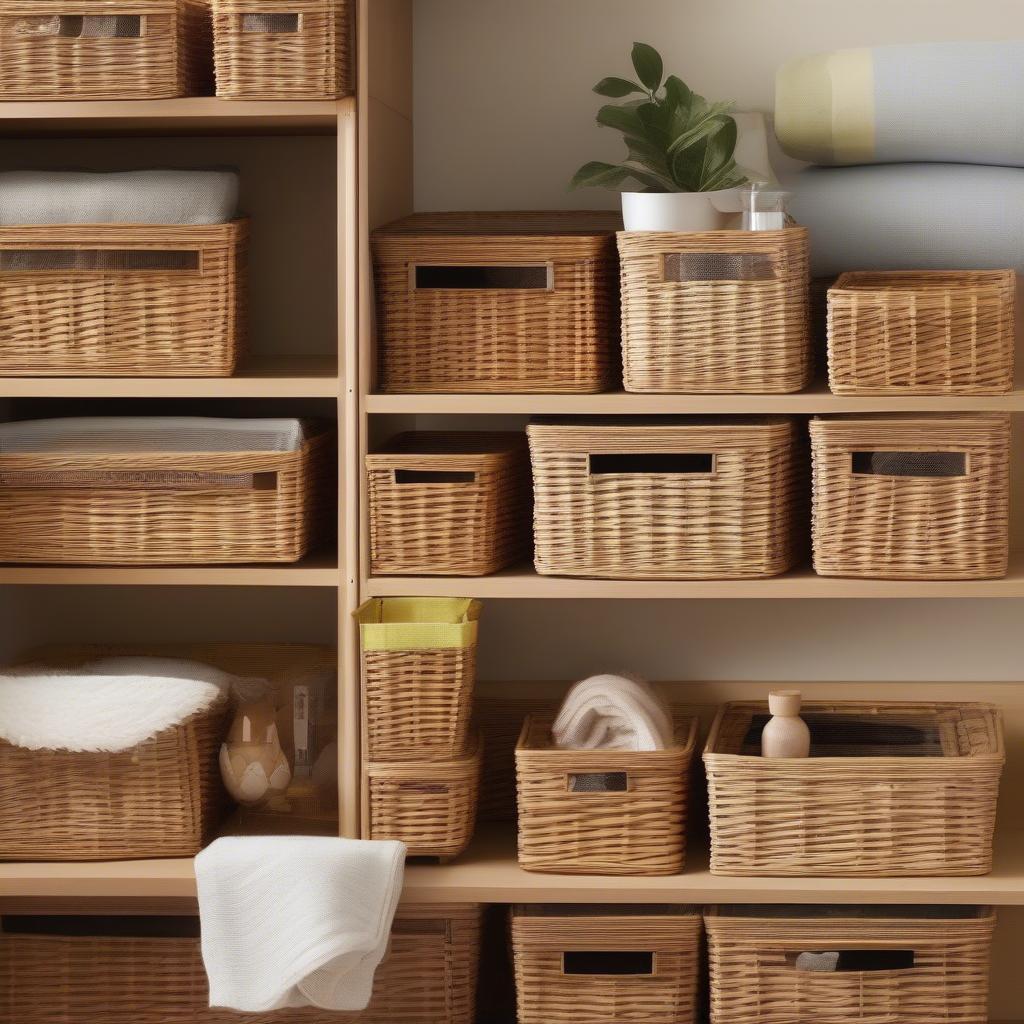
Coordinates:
[678,96]
[720,147]
[623,119]
[655,123]
[701,125]
[616,87]
[598,174]
[648,64]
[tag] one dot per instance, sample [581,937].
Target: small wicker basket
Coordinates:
[889,790]
[716,311]
[917,497]
[914,965]
[496,302]
[104,49]
[284,49]
[606,965]
[602,812]
[122,300]
[714,499]
[448,504]
[921,333]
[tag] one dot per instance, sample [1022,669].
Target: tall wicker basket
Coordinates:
[889,790]
[912,965]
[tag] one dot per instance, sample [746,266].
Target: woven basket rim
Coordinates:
[236,227]
[600,224]
[685,728]
[465,766]
[759,239]
[873,282]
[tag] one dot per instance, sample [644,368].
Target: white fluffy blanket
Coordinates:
[613,713]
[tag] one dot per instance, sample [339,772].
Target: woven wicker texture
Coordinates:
[737,515]
[311,58]
[921,333]
[602,812]
[428,977]
[715,311]
[754,979]
[889,790]
[426,521]
[130,321]
[428,805]
[551,333]
[549,991]
[43,58]
[876,518]
[275,519]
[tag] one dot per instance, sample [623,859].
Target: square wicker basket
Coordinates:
[912,965]
[606,965]
[716,312]
[448,504]
[284,49]
[122,300]
[701,499]
[921,332]
[495,302]
[104,49]
[602,812]
[914,497]
[889,790]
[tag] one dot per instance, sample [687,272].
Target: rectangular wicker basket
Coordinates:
[703,499]
[716,311]
[921,332]
[448,504]
[142,970]
[284,49]
[184,508]
[889,790]
[911,965]
[419,670]
[914,497]
[104,49]
[606,965]
[495,302]
[602,812]
[122,300]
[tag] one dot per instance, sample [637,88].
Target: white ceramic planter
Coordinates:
[679,211]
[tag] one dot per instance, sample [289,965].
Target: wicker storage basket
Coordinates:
[911,965]
[104,49]
[920,497]
[684,500]
[428,805]
[716,311]
[606,965]
[921,333]
[135,508]
[448,504]
[150,971]
[122,300]
[602,812]
[494,302]
[889,790]
[419,671]
[284,49]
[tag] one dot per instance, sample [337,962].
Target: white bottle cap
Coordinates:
[784,702]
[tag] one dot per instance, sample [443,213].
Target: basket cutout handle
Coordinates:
[597,782]
[851,961]
[101,261]
[626,963]
[282,23]
[135,480]
[432,476]
[684,267]
[909,463]
[83,26]
[652,464]
[482,277]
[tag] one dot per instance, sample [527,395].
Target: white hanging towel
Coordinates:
[613,713]
[291,921]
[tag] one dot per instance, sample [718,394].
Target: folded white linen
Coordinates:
[292,921]
[609,712]
[244,688]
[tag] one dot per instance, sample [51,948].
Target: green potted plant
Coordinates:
[680,151]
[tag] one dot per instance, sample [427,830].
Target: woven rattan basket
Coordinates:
[921,333]
[104,49]
[495,302]
[602,812]
[889,790]
[284,49]
[673,500]
[150,971]
[911,965]
[428,805]
[606,965]
[918,497]
[715,311]
[122,300]
[449,504]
